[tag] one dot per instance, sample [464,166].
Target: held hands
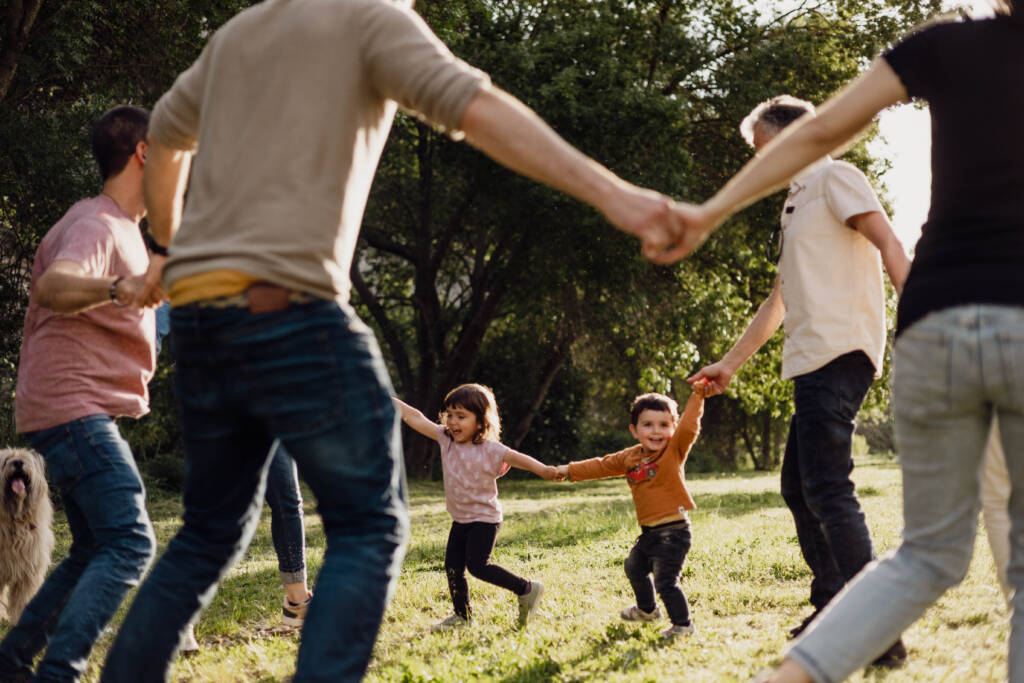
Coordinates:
[669,230]
[561,473]
[148,291]
[712,380]
[129,290]
[692,224]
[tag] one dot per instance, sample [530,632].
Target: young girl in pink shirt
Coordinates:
[472,459]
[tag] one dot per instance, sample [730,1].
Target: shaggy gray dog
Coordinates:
[26,539]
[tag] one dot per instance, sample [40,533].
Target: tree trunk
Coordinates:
[21,14]
[549,370]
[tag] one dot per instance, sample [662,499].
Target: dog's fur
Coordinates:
[26,536]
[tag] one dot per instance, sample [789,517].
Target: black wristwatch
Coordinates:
[153,247]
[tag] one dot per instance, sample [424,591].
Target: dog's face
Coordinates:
[22,483]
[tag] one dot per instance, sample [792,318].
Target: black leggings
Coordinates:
[469,547]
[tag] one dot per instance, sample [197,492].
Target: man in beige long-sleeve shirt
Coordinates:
[287,111]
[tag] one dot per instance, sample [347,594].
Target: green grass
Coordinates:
[744,577]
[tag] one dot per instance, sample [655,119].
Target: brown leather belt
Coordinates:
[262,297]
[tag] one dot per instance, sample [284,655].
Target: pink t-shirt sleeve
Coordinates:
[89,243]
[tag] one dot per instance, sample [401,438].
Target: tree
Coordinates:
[454,247]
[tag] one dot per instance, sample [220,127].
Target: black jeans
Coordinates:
[660,551]
[816,469]
[469,547]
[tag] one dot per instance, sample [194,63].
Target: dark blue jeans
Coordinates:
[660,551]
[312,376]
[283,494]
[816,469]
[112,544]
[287,528]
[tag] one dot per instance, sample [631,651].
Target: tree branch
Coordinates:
[391,336]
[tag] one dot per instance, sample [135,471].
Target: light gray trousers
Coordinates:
[952,372]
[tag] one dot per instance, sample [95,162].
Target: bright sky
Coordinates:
[906,142]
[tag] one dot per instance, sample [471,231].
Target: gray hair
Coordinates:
[774,114]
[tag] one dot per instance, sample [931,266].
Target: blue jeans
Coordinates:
[287,528]
[312,376]
[660,551]
[112,545]
[952,371]
[283,495]
[816,468]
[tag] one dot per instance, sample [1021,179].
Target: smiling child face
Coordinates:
[653,429]
[462,424]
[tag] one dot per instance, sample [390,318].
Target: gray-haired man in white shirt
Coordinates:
[830,297]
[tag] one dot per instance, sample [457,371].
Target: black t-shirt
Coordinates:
[972,247]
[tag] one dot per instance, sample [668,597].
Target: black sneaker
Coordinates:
[797,630]
[893,658]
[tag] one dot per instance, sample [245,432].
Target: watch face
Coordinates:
[642,472]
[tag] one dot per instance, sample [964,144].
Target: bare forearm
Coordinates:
[511,133]
[163,186]
[837,122]
[70,293]
[415,419]
[526,462]
[897,264]
[761,328]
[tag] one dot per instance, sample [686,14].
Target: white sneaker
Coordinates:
[454,621]
[528,602]
[674,631]
[634,613]
[189,643]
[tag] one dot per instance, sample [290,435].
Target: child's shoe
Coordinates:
[454,621]
[675,630]
[294,615]
[634,613]
[528,602]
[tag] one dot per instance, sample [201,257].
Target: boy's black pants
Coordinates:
[469,547]
[660,551]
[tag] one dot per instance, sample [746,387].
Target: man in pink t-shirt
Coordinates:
[86,357]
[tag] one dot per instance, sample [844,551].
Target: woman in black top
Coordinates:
[959,354]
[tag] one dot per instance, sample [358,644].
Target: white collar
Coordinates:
[801,179]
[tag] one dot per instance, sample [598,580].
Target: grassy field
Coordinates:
[744,577]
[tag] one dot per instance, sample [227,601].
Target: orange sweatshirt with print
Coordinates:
[659,485]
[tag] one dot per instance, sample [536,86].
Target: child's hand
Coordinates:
[561,473]
[702,388]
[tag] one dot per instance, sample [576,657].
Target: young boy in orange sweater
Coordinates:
[654,470]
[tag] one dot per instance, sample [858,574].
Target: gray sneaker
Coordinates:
[674,631]
[634,613]
[528,602]
[447,624]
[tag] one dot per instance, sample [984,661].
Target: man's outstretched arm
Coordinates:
[837,122]
[509,132]
[762,326]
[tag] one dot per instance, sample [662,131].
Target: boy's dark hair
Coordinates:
[652,401]
[479,400]
[115,137]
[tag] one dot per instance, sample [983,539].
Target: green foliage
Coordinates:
[454,246]
[466,270]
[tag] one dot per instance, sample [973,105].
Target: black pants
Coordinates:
[469,547]
[660,551]
[816,469]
